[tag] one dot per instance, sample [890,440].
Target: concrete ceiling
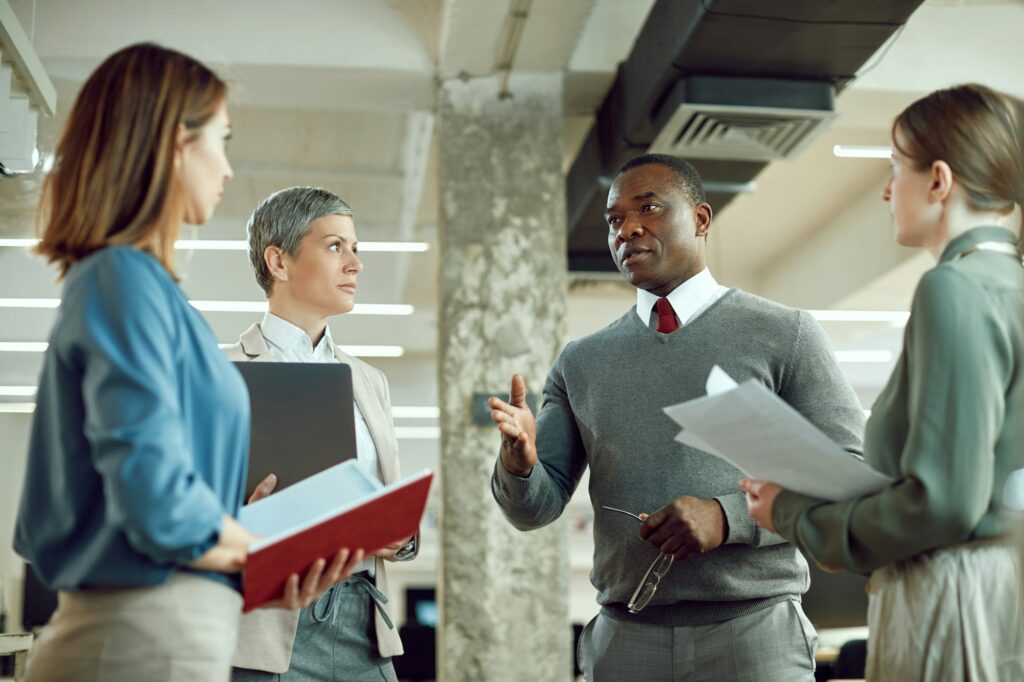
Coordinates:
[341,94]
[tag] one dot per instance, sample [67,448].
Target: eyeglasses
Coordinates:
[623,511]
[649,585]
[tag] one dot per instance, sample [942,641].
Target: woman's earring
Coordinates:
[282,276]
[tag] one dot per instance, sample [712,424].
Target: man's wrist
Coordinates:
[525,473]
[515,471]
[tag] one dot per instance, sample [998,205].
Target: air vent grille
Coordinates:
[708,131]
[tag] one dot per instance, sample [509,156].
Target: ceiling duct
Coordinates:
[731,85]
[743,119]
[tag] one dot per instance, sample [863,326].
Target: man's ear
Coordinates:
[702,216]
[941,182]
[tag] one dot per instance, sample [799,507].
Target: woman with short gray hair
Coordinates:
[304,253]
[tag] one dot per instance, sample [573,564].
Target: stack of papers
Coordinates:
[761,435]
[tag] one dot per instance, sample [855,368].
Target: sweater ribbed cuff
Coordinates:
[511,486]
[742,529]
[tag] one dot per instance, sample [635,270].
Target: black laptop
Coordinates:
[302,419]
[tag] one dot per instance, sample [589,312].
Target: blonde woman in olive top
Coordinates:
[949,425]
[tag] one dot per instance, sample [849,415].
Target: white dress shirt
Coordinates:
[288,343]
[689,299]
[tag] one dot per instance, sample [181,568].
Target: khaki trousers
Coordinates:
[951,614]
[182,630]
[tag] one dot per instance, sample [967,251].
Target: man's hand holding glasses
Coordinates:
[682,528]
[686,526]
[644,591]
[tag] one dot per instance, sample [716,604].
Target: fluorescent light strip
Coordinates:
[242,245]
[373,351]
[261,306]
[225,306]
[394,247]
[403,432]
[417,412]
[29,302]
[892,316]
[418,432]
[27,391]
[851,151]
[358,351]
[23,346]
[864,356]
[40,347]
[230,306]
[212,245]
[18,408]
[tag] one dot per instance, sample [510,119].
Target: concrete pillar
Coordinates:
[503,593]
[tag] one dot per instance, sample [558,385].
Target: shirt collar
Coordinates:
[975,236]
[686,299]
[286,336]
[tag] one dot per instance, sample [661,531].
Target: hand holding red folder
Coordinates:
[313,519]
[319,578]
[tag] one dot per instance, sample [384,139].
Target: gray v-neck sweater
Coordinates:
[602,408]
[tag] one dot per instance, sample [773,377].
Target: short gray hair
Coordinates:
[283,219]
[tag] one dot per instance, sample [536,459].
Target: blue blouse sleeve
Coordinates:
[126,348]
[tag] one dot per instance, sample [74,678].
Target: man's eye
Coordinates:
[648,207]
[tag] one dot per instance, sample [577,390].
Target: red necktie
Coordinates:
[666,317]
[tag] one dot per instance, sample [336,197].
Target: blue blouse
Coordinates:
[140,438]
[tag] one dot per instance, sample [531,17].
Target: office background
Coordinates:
[348,95]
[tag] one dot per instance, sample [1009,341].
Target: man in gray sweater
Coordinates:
[728,606]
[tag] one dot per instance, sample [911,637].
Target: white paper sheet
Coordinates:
[332,489]
[314,500]
[760,434]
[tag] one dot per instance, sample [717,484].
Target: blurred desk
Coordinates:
[841,653]
[17,646]
[826,654]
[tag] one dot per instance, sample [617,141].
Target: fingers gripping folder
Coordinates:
[341,507]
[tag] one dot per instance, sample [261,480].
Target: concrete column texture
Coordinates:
[503,593]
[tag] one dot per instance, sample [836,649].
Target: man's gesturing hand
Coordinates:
[686,526]
[518,429]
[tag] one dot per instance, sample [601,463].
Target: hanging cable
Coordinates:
[508,46]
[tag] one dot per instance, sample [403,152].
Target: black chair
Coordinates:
[577,631]
[852,660]
[419,663]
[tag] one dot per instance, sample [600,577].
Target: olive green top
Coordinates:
[948,426]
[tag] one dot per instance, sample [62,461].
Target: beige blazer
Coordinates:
[266,636]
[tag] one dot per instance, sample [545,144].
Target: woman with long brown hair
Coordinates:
[944,595]
[139,441]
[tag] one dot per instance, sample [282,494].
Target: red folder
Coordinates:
[381,518]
